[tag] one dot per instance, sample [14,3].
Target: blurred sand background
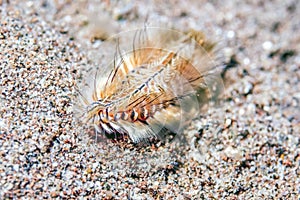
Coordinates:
[248,147]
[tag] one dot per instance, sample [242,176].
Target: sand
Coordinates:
[247,147]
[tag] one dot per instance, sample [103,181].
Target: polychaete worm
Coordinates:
[153,81]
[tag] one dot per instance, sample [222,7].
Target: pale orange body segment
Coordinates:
[149,90]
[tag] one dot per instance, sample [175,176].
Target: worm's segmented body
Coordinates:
[154,86]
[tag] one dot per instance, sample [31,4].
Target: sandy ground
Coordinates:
[245,148]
